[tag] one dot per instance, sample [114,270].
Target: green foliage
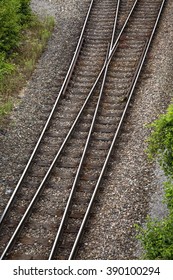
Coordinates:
[13,15]
[9,24]
[17,64]
[161,141]
[6,108]
[169,196]
[157,236]
[25,11]
[5,67]
[157,239]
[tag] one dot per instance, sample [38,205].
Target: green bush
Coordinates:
[5,67]
[25,11]
[18,58]
[161,141]
[157,236]
[13,14]
[9,24]
[169,196]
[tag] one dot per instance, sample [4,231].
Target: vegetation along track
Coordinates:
[57,189]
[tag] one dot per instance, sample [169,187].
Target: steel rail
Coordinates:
[130,93]
[73,189]
[72,192]
[61,92]
[114,29]
[41,187]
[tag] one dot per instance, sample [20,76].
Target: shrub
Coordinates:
[5,67]
[9,24]
[157,236]
[25,11]
[13,14]
[6,108]
[17,64]
[161,141]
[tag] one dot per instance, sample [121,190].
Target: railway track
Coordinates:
[60,182]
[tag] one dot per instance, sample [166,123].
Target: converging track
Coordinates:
[72,153]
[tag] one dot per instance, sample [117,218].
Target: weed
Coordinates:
[16,68]
[6,108]
[157,235]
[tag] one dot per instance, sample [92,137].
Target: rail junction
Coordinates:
[76,143]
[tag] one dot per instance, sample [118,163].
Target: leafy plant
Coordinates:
[5,67]
[10,24]
[161,141]
[25,11]
[17,64]
[6,108]
[157,235]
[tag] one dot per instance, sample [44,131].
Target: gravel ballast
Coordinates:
[132,187]
[29,114]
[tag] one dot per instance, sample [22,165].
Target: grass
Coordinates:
[6,108]
[19,66]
